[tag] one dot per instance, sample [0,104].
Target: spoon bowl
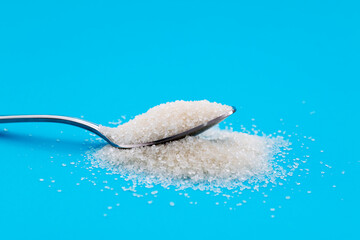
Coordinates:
[94,128]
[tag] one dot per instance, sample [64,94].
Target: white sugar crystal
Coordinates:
[217,158]
[165,120]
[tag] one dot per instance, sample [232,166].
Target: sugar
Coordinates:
[165,120]
[216,158]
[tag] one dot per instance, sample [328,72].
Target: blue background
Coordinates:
[291,60]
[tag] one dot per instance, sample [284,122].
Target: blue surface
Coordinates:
[102,60]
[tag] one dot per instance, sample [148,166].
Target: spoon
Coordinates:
[95,128]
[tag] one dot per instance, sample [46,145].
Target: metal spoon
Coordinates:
[95,128]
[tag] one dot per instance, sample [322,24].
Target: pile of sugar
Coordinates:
[165,120]
[215,159]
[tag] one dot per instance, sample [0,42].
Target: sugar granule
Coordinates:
[214,159]
[165,120]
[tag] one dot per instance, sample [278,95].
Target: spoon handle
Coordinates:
[57,119]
